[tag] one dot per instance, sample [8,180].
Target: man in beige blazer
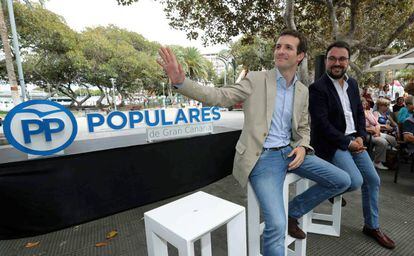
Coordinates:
[275,137]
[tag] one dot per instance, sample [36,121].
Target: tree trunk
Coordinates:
[334,19]
[303,72]
[382,79]
[9,60]
[99,101]
[80,103]
[289,17]
[358,71]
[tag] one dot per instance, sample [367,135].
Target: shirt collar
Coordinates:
[279,76]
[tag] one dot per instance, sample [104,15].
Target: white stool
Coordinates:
[191,218]
[333,229]
[255,228]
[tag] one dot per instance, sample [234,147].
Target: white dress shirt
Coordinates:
[346,104]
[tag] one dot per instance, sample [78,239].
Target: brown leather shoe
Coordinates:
[294,230]
[343,203]
[381,238]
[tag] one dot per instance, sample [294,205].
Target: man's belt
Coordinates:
[275,148]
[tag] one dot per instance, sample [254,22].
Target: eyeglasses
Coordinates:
[340,59]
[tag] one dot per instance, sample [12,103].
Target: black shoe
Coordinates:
[294,230]
[343,203]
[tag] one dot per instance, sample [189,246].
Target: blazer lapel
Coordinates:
[332,89]
[270,95]
[297,100]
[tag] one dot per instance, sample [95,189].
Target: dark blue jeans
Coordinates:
[362,172]
[267,179]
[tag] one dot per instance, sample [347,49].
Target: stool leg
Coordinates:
[300,244]
[206,245]
[253,222]
[187,249]
[236,235]
[336,214]
[306,185]
[285,203]
[156,246]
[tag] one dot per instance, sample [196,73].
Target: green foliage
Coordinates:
[221,20]
[253,54]
[406,74]
[231,76]
[372,27]
[194,64]
[126,56]
[91,92]
[211,73]
[60,59]
[41,29]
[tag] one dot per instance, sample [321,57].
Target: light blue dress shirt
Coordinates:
[281,127]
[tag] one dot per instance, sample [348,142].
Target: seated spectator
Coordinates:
[405,112]
[387,124]
[379,140]
[367,96]
[385,92]
[408,133]
[398,105]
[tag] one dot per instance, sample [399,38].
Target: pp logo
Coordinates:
[40,127]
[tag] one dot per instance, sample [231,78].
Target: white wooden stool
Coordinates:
[191,218]
[333,229]
[255,228]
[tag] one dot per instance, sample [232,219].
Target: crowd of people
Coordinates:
[389,122]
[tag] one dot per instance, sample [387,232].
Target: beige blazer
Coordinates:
[258,91]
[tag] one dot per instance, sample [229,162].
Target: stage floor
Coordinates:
[396,217]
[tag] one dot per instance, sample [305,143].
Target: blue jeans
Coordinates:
[267,179]
[362,172]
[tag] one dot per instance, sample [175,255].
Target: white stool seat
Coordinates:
[191,218]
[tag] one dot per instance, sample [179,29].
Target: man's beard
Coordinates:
[337,76]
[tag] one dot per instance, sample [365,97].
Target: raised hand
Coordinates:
[172,68]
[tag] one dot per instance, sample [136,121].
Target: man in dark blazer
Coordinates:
[338,131]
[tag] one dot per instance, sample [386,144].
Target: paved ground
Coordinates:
[396,212]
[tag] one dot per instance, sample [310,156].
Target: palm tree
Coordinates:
[194,64]
[9,60]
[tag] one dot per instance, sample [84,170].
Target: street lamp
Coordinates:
[225,69]
[113,91]
[16,49]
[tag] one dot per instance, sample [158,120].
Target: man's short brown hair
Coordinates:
[303,42]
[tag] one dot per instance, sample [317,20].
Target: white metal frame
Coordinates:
[333,229]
